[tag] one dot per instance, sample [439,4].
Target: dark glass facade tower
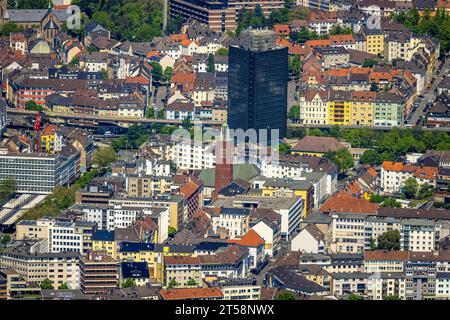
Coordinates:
[257,83]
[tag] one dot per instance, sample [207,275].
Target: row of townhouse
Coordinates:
[129,106]
[230,262]
[374,275]
[115,97]
[416,275]
[181,264]
[394,175]
[173,46]
[364,108]
[343,232]
[390,39]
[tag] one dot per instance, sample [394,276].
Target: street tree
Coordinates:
[103,157]
[410,188]
[389,240]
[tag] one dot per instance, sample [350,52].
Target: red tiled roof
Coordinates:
[342,39]
[372,171]
[318,144]
[317,43]
[426,172]
[188,293]
[344,202]
[178,37]
[281,29]
[250,239]
[392,166]
[49,129]
[138,80]
[354,188]
[182,77]
[181,260]
[418,172]
[189,188]
[386,255]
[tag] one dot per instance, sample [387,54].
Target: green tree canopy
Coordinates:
[425,191]
[222,52]
[103,157]
[128,283]
[390,240]
[172,231]
[286,295]
[410,188]
[342,158]
[368,63]
[63,286]
[46,284]
[172,284]
[157,71]
[353,296]
[370,157]
[33,106]
[294,113]
[8,28]
[5,240]
[210,65]
[167,74]
[8,187]
[390,203]
[284,148]
[192,282]
[294,65]
[376,198]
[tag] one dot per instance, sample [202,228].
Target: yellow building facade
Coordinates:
[375,43]
[339,112]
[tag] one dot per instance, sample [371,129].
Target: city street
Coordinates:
[429,95]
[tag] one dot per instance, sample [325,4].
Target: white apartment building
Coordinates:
[193,155]
[385,284]
[380,261]
[128,111]
[401,46]
[154,167]
[417,235]
[276,169]
[375,227]
[234,220]
[271,233]
[110,217]
[35,266]
[349,282]
[314,107]
[394,174]
[61,236]
[442,286]
[321,26]
[346,233]
[297,169]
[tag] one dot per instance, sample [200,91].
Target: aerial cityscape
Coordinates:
[225,150]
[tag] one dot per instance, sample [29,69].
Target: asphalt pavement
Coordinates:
[429,94]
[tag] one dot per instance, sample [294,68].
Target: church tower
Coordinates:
[224,160]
